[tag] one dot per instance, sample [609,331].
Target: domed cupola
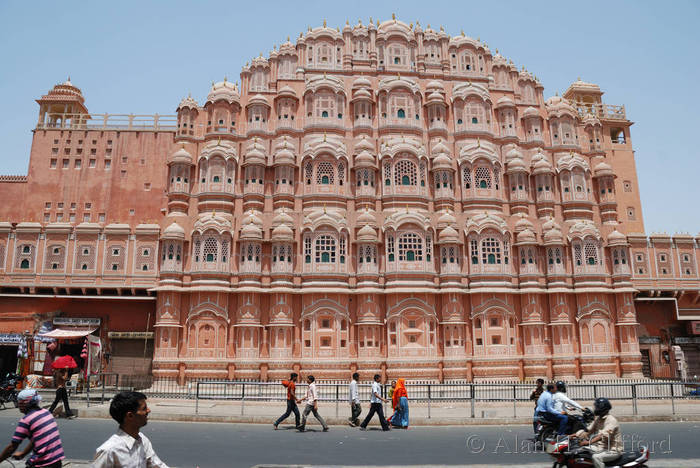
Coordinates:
[179,174]
[367,239]
[449,249]
[224,91]
[171,259]
[605,178]
[62,107]
[187,112]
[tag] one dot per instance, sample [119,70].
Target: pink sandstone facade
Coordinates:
[385,197]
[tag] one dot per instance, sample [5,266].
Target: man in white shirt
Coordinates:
[311,399]
[354,397]
[376,405]
[128,447]
[561,402]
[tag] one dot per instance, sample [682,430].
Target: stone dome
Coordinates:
[442,161]
[505,101]
[435,87]
[251,232]
[282,233]
[284,156]
[188,102]
[367,234]
[540,164]
[174,231]
[287,91]
[602,170]
[530,112]
[553,237]
[255,153]
[258,99]
[181,156]
[449,235]
[557,106]
[617,238]
[224,90]
[523,223]
[364,159]
[282,217]
[526,236]
[361,82]
[435,97]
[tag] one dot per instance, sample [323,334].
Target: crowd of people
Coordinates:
[130,447]
[398,397]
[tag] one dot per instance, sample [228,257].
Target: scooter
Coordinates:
[8,389]
[546,430]
[568,453]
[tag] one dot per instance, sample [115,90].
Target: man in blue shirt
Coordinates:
[545,408]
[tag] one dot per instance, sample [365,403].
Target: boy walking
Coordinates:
[311,399]
[291,401]
[354,396]
[376,405]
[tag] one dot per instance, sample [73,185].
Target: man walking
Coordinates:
[39,426]
[376,405]
[291,401]
[311,399]
[354,396]
[128,447]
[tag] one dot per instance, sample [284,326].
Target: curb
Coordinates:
[103,414]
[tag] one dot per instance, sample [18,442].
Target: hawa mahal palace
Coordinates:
[381,197]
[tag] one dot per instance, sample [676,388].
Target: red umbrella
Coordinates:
[64,362]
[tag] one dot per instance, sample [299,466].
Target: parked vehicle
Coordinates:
[8,389]
[546,430]
[567,453]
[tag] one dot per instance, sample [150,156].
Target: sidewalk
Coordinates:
[443,413]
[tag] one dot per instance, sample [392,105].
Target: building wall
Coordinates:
[385,198]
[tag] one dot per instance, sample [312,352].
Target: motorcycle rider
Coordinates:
[545,409]
[602,436]
[563,404]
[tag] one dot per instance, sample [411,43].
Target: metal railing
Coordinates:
[667,392]
[109,122]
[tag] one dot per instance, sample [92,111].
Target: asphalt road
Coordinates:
[185,444]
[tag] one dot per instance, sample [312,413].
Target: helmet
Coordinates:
[561,387]
[601,406]
[28,397]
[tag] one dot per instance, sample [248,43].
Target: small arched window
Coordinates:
[475,120]
[324,114]
[325,180]
[25,264]
[401,114]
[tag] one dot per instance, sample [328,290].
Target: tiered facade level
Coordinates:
[384,197]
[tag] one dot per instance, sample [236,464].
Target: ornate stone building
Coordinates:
[385,197]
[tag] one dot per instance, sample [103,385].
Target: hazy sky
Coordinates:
[143,57]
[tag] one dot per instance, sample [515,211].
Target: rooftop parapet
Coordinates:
[123,122]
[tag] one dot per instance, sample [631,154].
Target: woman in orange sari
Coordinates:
[400,403]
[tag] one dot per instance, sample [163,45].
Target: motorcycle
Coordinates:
[547,430]
[568,453]
[8,389]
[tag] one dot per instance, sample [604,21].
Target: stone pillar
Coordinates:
[231,371]
[264,367]
[181,373]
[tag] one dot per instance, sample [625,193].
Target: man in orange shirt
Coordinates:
[291,401]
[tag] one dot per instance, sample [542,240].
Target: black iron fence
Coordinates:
[421,392]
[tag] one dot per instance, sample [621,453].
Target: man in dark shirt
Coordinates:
[534,396]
